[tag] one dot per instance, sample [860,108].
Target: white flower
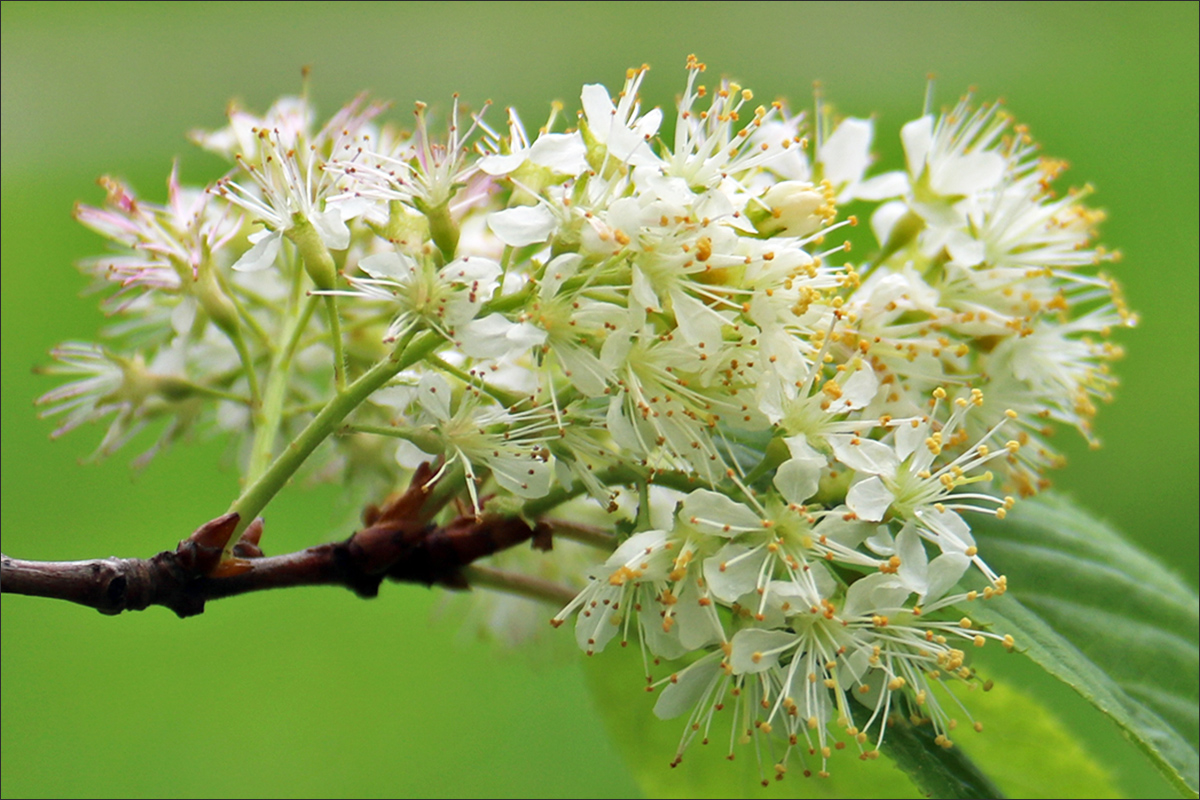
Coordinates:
[419,172]
[124,388]
[953,158]
[510,446]
[648,572]
[290,181]
[166,243]
[620,130]
[844,156]
[561,153]
[423,294]
[900,478]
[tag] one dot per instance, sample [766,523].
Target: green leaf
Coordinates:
[1106,619]
[936,771]
[1024,748]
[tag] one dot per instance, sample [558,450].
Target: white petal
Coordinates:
[502,164]
[944,572]
[715,204]
[635,549]
[797,479]
[660,641]
[630,146]
[523,475]
[523,225]
[885,218]
[410,456]
[641,290]
[918,138]
[561,268]
[390,265]
[852,666]
[495,336]
[881,542]
[752,646]
[331,227]
[877,593]
[716,514]
[882,187]
[598,108]
[262,255]
[739,577]
[688,687]
[914,563]
[595,627]
[909,437]
[434,395]
[848,533]
[583,369]
[864,455]
[846,153]
[486,337]
[698,324]
[968,174]
[860,389]
[696,624]
[869,499]
[825,583]
[562,152]
[625,215]
[954,534]
[672,190]
[621,428]
[472,270]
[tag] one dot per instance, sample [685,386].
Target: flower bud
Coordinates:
[792,208]
[317,261]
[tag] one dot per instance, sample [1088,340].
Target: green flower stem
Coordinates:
[244,314]
[270,412]
[239,343]
[643,512]
[335,339]
[613,476]
[505,263]
[423,438]
[520,585]
[590,535]
[508,302]
[214,297]
[502,396]
[442,228]
[256,496]
[221,394]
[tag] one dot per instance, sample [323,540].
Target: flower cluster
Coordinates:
[660,337]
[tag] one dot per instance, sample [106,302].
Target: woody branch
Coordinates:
[399,543]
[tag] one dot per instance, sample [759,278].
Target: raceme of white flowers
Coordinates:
[780,443]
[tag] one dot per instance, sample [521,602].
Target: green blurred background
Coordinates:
[314,691]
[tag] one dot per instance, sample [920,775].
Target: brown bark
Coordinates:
[400,543]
